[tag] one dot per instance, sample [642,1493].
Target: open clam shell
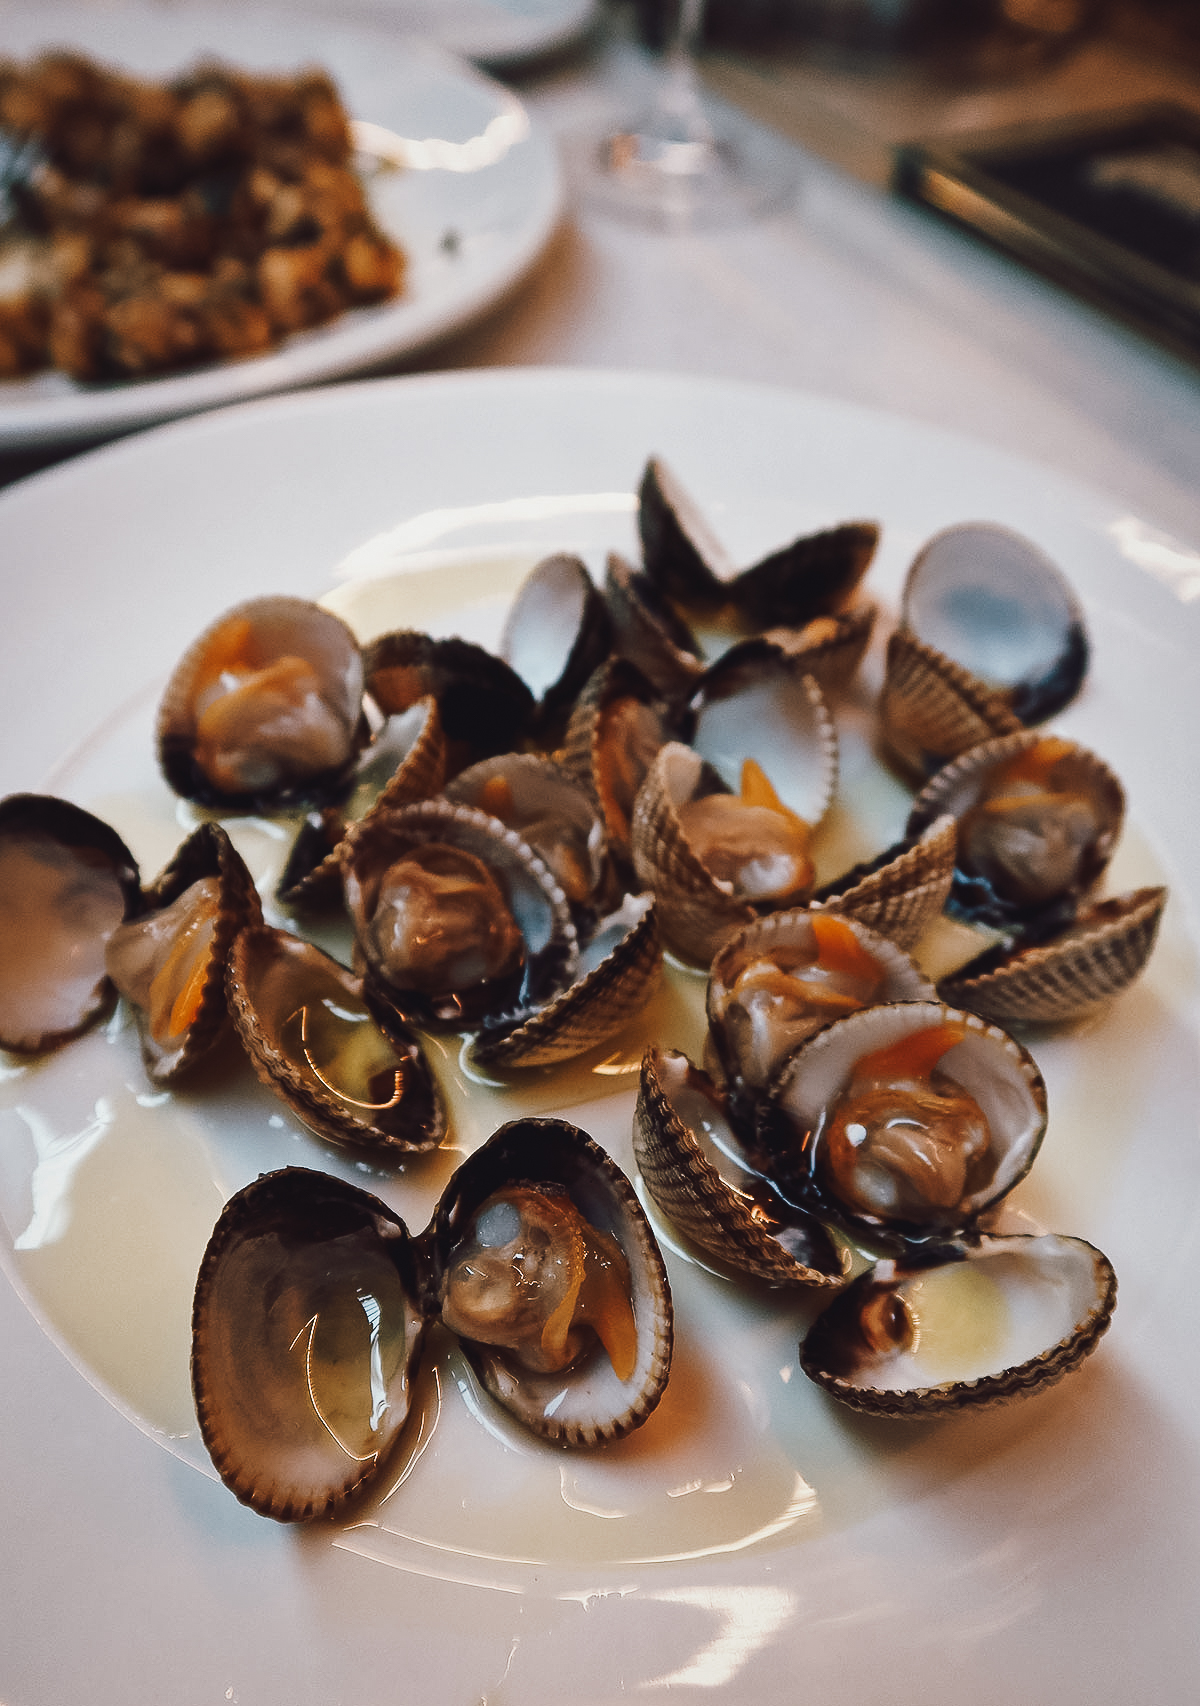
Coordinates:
[648,630]
[170,960]
[484,705]
[900,893]
[782,978]
[551,809]
[620,967]
[713,1186]
[67,881]
[829,648]
[1074,974]
[556,633]
[306,1334]
[1011,1317]
[915,1118]
[265,709]
[313,1040]
[499,946]
[757,703]
[617,726]
[591,1400]
[812,575]
[1038,818]
[405,762]
[931,709]
[994,603]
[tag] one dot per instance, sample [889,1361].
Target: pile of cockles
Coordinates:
[514,837]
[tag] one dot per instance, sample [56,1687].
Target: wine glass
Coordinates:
[674,164]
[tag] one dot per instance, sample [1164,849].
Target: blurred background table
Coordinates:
[851,292]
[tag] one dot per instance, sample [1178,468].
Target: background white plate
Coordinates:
[494,33]
[472,219]
[1051,1551]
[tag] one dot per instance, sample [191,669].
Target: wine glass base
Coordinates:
[679,182]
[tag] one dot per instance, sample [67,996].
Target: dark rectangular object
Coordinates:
[1108,205]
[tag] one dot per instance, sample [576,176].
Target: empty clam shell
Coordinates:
[305,1339]
[1089,963]
[648,630]
[556,633]
[313,1040]
[1010,1317]
[67,881]
[900,893]
[994,603]
[812,575]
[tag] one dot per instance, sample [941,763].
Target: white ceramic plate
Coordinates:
[474,209]
[751,1542]
[494,33]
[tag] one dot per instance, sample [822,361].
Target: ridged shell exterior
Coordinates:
[695,912]
[960,784]
[313,875]
[591,1405]
[814,575]
[694,1197]
[825,1346]
[900,895]
[1049,983]
[829,648]
[649,632]
[589,1011]
[207,852]
[996,604]
[931,709]
[583,752]
[264,966]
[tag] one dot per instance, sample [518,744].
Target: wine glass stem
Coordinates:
[680,98]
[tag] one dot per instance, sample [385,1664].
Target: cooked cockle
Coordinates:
[530,1276]
[313,1301]
[67,881]
[556,633]
[914,1118]
[1037,819]
[169,961]
[456,919]
[549,808]
[265,708]
[904,1141]
[778,980]
[999,1319]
